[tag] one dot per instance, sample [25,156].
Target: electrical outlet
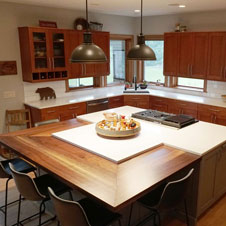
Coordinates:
[9,94]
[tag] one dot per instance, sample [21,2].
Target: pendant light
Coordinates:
[141,51]
[88,52]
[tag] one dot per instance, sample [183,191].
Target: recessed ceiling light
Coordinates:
[182,6]
[136,10]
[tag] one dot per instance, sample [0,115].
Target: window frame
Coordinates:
[140,64]
[129,65]
[204,89]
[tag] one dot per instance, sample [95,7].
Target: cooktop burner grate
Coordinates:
[177,121]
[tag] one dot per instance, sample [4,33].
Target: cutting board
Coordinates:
[113,149]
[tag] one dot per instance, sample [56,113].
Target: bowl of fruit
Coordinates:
[117,126]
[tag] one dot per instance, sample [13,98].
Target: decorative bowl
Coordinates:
[121,133]
[143,86]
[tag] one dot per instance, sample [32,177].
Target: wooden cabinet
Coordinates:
[141,101]
[114,102]
[182,107]
[192,55]
[159,103]
[212,181]
[217,56]
[213,114]
[102,39]
[62,113]
[43,54]
[170,53]
[184,54]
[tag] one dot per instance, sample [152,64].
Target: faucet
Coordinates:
[135,83]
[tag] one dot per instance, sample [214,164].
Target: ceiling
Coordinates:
[127,7]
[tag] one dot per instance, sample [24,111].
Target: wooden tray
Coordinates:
[121,133]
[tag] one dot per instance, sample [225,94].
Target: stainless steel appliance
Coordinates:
[97,105]
[178,121]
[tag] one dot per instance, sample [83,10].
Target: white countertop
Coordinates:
[198,138]
[99,93]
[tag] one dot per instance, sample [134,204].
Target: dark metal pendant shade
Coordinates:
[141,51]
[88,52]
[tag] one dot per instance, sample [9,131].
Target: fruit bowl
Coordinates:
[115,126]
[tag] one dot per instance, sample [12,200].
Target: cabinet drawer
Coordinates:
[136,98]
[76,109]
[159,103]
[114,102]
[50,113]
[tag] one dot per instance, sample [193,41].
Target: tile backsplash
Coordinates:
[214,90]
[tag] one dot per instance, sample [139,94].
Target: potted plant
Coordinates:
[144,85]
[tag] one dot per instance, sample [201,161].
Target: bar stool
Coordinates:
[5,173]
[85,212]
[165,198]
[36,190]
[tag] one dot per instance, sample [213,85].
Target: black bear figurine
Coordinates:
[46,92]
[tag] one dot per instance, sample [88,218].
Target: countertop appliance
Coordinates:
[178,121]
[97,105]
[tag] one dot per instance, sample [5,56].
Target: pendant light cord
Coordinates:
[141,19]
[87,27]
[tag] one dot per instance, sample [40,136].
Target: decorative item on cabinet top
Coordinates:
[51,24]
[46,93]
[81,24]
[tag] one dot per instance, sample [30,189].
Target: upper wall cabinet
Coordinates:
[192,56]
[43,54]
[200,55]
[217,56]
[170,53]
[102,39]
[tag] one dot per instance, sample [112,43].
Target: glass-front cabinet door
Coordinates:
[58,40]
[39,50]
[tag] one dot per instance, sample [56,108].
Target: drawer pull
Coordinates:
[214,110]
[50,112]
[116,99]
[72,108]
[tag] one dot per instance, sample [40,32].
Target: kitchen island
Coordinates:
[118,184]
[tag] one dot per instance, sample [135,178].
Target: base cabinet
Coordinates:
[62,113]
[212,180]
[115,102]
[140,101]
[159,103]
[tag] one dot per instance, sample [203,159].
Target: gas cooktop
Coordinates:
[178,121]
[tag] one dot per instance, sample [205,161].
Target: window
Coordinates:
[153,70]
[117,62]
[80,82]
[190,83]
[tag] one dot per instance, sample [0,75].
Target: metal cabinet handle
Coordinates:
[53,62]
[116,99]
[188,69]
[50,112]
[72,108]
[50,63]
[225,72]
[96,104]
[222,71]
[214,110]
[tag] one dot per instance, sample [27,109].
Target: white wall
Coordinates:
[16,15]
